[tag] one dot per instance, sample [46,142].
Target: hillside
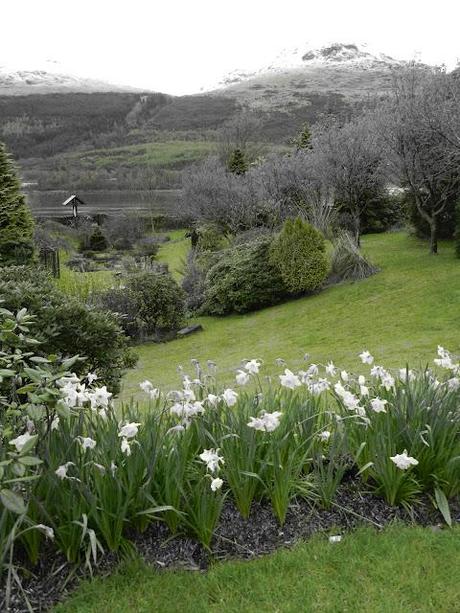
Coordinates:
[400,314]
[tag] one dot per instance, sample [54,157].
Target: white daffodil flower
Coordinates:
[324,436]
[86,442]
[212,459]
[20,441]
[267,422]
[378,405]
[289,379]
[216,484]
[331,369]
[253,366]
[230,397]
[403,461]
[129,430]
[242,378]
[125,446]
[366,357]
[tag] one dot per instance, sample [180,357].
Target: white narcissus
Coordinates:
[242,378]
[129,430]
[87,443]
[331,369]
[267,422]
[125,446]
[20,441]
[212,459]
[378,405]
[253,366]
[216,484]
[366,357]
[230,397]
[289,379]
[403,461]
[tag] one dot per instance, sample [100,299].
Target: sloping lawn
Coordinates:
[399,314]
[398,570]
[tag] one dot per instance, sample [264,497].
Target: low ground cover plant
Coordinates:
[75,471]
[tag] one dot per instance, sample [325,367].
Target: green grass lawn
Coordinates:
[157,154]
[174,252]
[398,570]
[400,315]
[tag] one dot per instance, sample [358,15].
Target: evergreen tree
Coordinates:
[303,140]
[16,223]
[237,162]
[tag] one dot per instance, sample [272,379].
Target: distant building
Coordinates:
[74,200]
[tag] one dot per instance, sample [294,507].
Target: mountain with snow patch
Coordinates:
[345,69]
[49,78]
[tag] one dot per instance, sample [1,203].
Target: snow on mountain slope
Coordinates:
[49,77]
[348,70]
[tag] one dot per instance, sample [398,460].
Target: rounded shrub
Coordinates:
[158,301]
[210,238]
[299,253]
[243,279]
[97,240]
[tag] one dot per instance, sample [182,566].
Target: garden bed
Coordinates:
[53,579]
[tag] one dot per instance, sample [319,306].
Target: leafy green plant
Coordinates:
[299,253]
[243,279]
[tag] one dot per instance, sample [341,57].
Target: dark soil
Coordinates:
[235,538]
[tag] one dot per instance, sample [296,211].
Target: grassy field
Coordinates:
[396,571]
[158,154]
[400,315]
[174,252]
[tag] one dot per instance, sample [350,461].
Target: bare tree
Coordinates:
[212,194]
[418,153]
[348,160]
[291,185]
[240,133]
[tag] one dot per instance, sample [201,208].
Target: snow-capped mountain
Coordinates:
[49,77]
[347,70]
[301,59]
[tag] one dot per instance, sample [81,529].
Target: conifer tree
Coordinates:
[303,140]
[237,162]
[16,222]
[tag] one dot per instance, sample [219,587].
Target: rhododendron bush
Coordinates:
[86,475]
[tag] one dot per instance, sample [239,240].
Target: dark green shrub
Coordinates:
[16,223]
[299,253]
[237,162]
[210,238]
[243,279]
[97,240]
[125,304]
[65,326]
[150,304]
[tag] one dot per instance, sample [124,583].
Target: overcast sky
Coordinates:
[179,46]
